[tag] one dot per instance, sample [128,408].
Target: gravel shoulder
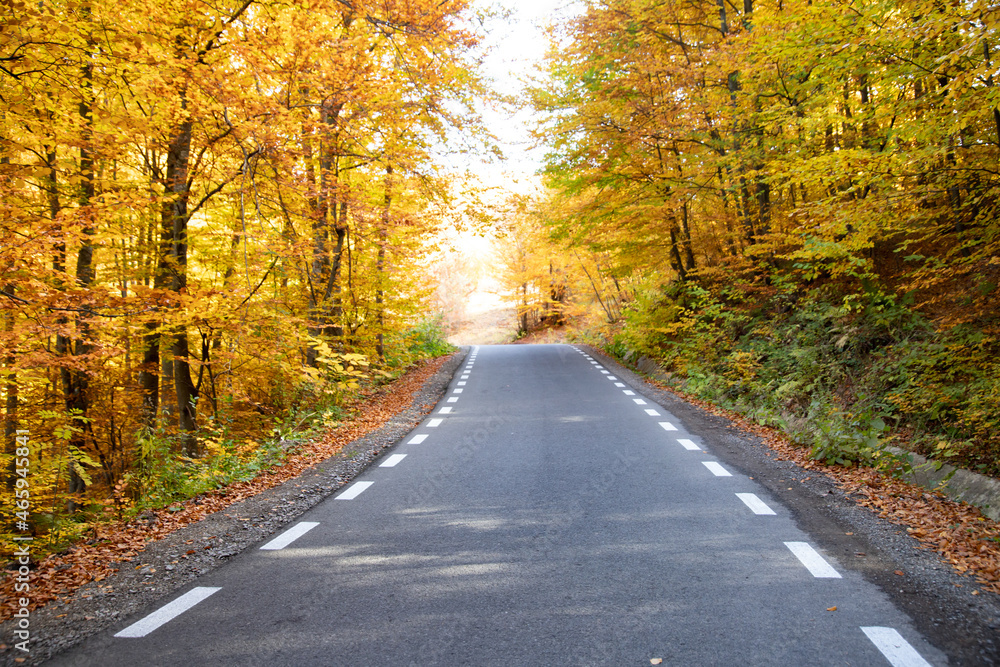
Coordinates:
[170,564]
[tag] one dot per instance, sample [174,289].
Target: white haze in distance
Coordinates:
[515,46]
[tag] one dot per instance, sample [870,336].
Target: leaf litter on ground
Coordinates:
[960,533]
[60,575]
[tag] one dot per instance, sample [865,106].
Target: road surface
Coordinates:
[545,513]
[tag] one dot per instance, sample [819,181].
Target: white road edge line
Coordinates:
[446,410]
[168,612]
[815,563]
[619,384]
[639,401]
[417,439]
[652,413]
[434,423]
[689,444]
[716,469]
[392,461]
[896,650]
[457,391]
[612,377]
[289,536]
[756,505]
[354,490]
[667,426]
[628,392]
[453,399]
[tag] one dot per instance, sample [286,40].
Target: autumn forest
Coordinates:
[213,222]
[219,219]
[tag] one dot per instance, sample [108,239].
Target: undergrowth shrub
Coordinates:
[837,372]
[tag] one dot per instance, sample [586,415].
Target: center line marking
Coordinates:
[896,650]
[815,563]
[290,535]
[168,612]
[354,491]
[444,411]
[639,401]
[756,505]
[417,439]
[652,413]
[689,444]
[667,426]
[392,461]
[716,469]
[629,392]
[434,423]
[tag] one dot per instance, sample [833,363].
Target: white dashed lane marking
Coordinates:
[453,399]
[896,650]
[167,612]
[716,469]
[392,461]
[652,413]
[457,391]
[289,536]
[639,401]
[612,377]
[434,423]
[444,411]
[461,383]
[619,385]
[354,490]
[815,563]
[667,426]
[756,505]
[629,392]
[417,439]
[689,444]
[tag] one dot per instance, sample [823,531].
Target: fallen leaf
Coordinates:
[655,661]
[833,608]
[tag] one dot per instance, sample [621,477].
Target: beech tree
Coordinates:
[211,216]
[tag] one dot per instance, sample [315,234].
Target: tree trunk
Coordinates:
[175,218]
[383,234]
[11,392]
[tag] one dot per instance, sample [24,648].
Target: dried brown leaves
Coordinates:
[958,531]
[59,575]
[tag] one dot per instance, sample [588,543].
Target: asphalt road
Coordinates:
[545,513]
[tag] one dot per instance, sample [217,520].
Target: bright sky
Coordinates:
[515,46]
